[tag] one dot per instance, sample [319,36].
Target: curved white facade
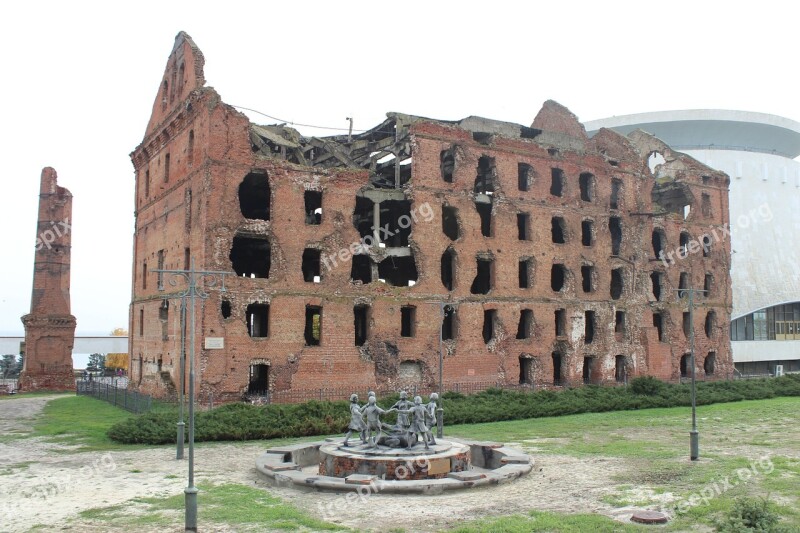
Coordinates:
[757,151]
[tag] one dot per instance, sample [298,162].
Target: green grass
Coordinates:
[548,522]
[229,504]
[652,442]
[655,445]
[658,431]
[32,395]
[10,469]
[79,421]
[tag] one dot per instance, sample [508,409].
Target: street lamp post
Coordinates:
[194,280]
[694,434]
[181,423]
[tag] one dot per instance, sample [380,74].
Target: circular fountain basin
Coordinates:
[450,464]
[436,462]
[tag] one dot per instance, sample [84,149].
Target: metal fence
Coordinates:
[129,400]
[8,385]
[338,393]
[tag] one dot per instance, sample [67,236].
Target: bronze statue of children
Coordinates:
[402,406]
[431,410]
[419,413]
[356,421]
[373,413]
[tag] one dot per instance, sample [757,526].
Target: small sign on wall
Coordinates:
[215,343]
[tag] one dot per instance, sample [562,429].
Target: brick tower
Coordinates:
[49,327]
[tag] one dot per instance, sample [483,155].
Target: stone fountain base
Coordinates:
[450,464]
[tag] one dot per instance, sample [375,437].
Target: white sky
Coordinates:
[79,80]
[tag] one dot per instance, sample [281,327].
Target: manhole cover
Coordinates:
[649,517]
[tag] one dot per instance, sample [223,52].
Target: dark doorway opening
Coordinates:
[259,380]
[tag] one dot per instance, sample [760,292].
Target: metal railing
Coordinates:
[8,385]
[129,400]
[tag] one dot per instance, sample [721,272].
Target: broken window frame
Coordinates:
[525,370]
[257,320]
[558,277]
[406,267]
[560,322]
[614,201]
[588,369]
[620,368]
[557,182]
[484,277]
[710,323]
[258,372]
[484,210]
[587,232]
[659,323]
[245,263]
[450,222]
[448,268]
[489,325]
[361,319]
[558,368]
[620,324]
[313,332]
[449,328]
[524,226]
[588,278]
[657,284]
[225,309]
[558,271]
[615,230]
[683,284]
[525,325]
[587,186]
[447,164]
[705,205]
[361,266]
[683,246]
[524,177]
[255,195]
[589,326]
[558,229]
[659,242]
[408,321]
[525,273]
[486,175]
[312,202]
[709,363]
[311,266]
[617,286]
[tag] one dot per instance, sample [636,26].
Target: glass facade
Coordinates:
[777,323]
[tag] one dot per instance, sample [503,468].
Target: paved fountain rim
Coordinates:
[497,464]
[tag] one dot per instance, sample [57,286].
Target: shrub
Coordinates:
[249,422]
[647,386]
[751,514]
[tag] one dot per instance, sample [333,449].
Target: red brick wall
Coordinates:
[223,156]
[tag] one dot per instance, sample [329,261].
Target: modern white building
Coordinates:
[759,152]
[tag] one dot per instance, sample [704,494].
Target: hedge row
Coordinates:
[248,422]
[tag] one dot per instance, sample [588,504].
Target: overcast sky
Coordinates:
[79,81]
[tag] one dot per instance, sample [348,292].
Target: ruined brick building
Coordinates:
[50,326]
[542,257]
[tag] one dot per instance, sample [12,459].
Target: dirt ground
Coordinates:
[48,484]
